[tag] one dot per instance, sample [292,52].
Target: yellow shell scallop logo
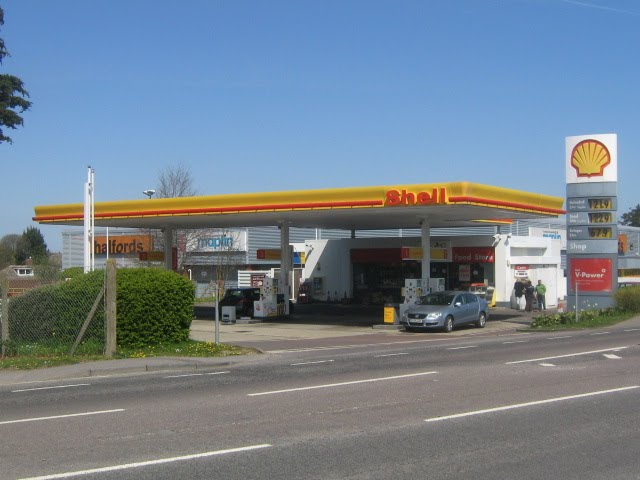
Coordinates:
[590,158]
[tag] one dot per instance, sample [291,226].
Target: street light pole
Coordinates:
[149,193]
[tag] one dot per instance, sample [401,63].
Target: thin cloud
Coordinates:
[600,7]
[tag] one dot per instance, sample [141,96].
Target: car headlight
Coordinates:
[434,316]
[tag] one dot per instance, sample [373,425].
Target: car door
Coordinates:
[460,309]
[472,303]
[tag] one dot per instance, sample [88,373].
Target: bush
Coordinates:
[628,298]
[55,313]
[154,306]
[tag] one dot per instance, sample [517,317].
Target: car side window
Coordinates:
[460,299]
[471,298]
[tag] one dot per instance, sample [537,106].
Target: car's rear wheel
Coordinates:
[448,324]
[482,320]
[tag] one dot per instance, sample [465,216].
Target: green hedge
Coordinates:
[57,312]
[628,298]
[153,306]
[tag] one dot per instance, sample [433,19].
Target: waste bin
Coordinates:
[228,314]
[391,313]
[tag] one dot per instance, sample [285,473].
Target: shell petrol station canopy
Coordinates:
[361,208]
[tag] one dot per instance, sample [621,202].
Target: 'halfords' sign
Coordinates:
[122,244]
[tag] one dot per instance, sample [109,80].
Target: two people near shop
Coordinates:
[526,293]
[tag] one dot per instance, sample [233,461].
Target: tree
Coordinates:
[32,245]
[13,95]
[8,248]
[175,181]
[632,217]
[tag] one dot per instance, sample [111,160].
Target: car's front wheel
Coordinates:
[482,320]
[448,324]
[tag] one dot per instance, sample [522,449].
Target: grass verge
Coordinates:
[586,319]
[31,356]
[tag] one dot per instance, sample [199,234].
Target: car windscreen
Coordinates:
[437,299]
[234,294]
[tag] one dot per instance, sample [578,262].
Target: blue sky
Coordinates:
[274,95]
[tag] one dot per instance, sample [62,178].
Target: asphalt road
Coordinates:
[526,406]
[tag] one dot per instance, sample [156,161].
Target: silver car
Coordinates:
[446,310]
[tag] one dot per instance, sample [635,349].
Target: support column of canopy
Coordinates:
[425,237]
[285,265]
[167,236]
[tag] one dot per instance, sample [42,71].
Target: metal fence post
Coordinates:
[4,315]
[110,308]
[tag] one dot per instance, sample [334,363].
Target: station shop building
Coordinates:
[368,266]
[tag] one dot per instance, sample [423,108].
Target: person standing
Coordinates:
[541,291]
[518,290]
[529,293]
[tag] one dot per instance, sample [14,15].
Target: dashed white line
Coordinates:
[530,404]
[599,333]
[631,329]
[391,354]
[148,463]
[342,384]
[56,417]
[462,348]
[312,363]
[616,349]
[515,341]
[547,365]
[559,338]
[195,374]
[51,388]
[611,356]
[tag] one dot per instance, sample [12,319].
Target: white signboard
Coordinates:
[550,233]
[218,241]
[592,158]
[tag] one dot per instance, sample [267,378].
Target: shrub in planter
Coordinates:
[154,306]
[628,298]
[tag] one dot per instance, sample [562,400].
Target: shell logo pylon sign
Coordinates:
[592,158]
[589,158]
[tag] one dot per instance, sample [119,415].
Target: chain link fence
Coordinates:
[43,313]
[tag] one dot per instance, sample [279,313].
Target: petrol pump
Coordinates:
[411,292]
[267,306]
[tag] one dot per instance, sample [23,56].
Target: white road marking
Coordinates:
[391,354]
[515,341]
[312,363]
[559,338]
[364,345]
[195,374]
[547,365]
[148,463]
[600,333]
[462,348]
[611,356]
[530,404]
[616,349]
[632,329]
[56,417]
[342,384]
[51,388]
